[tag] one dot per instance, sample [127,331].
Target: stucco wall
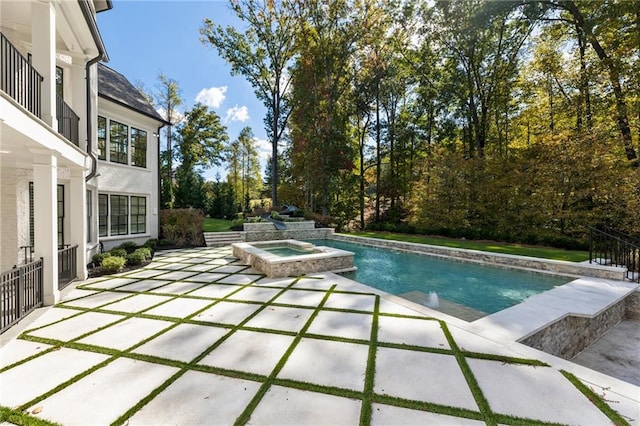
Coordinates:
[124,179]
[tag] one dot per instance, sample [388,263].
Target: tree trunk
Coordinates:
[622,118]
[378,159]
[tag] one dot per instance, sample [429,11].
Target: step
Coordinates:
[216,239]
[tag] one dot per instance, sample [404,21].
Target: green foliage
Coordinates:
[151,244]
[98,257]
[129,246]
[237,225]
[243,165]
[221,200]
[118,252]
[136,258]
[183,227]
[146,252]
[113,264]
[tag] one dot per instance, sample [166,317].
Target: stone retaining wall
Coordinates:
[568,336]
[513,261]
[632,312]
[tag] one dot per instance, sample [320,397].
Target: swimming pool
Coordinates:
[464,289]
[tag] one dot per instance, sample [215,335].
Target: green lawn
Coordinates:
[216,225]
[492,246]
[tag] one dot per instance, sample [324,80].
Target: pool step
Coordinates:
[217,239]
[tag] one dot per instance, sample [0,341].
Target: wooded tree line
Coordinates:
[514,120]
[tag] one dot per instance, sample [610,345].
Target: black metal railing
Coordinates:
[21,291]
[68,121]
[28,253]
[19,79]
[67,270]
[614,248]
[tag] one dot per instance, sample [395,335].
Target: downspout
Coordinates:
[102,56]
[94,159]
[159,184]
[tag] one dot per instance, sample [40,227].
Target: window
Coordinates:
[103,214]
[119,215]
[89,214]
[138,215]
[31,220]
[138,147]
[102,138]
[60,216]
[60,82]
[118,142]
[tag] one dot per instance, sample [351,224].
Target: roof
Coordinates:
[115,87]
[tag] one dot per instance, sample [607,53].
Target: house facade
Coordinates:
[78,159]
[126,187]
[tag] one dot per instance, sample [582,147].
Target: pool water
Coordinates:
[482,288]
[285,251]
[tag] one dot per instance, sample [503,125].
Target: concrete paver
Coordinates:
[106,394]
[313,375]
[422,376]
[328,363]
[411,332]
[533,392]
[249,351]
[286,406]
[183,342]
[198,398]
[25,382]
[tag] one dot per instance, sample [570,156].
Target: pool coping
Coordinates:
[559,267]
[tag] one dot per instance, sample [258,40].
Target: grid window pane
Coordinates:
[118,142]
[89,214]
[31,215]
[102,138]
[138,147]
[138,215]
[119,215]
[60,215]
[103,214]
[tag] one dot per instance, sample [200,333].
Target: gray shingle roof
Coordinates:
[114,86]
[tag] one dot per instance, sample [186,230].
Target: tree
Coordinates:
[261,54]
[243,165]
[201,139]
[167,100]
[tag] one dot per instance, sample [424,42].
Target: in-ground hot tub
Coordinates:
[282,258]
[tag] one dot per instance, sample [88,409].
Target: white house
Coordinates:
[77,164]
[127,203]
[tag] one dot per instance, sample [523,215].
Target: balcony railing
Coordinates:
[19,79]
[21,292]
[611,247]
[67,265]
[68,121]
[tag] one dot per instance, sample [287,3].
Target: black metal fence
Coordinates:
[21,291]
[68,121]
[610,247]
[67,266]
[19,79]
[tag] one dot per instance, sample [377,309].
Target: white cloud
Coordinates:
[176,116]
[212,97]
[238,114]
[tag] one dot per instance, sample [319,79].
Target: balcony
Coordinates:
[23,83]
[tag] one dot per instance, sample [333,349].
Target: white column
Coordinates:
[78,219]
[46,223]
[43,42]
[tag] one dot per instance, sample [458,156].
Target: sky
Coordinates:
[145,38]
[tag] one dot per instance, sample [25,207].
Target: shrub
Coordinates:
[151,244]
[183,227]
[164,242]
[146,252]
[113,264]
[237,225]
[118,252]
[135,258]
[129,246]
[99,257]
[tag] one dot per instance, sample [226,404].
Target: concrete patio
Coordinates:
[196,337]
